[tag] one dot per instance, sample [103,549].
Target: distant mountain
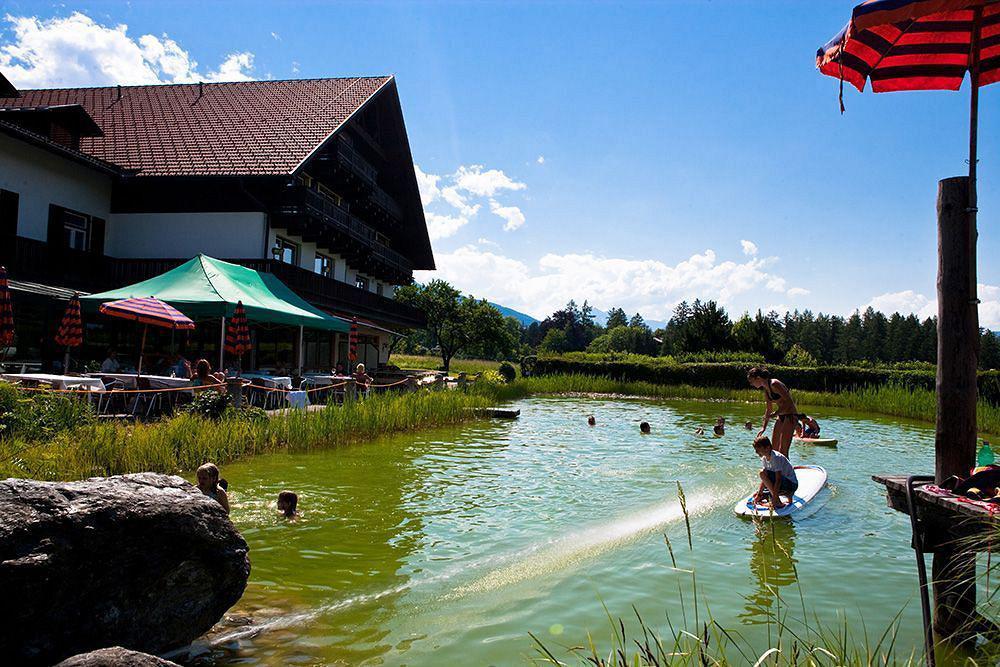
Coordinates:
[525,319]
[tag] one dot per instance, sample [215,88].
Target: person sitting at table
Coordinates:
[181,367]
[110,364]
[204,377]
[362,379]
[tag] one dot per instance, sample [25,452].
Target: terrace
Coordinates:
[29,260]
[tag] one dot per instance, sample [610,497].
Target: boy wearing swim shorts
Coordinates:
[777,475]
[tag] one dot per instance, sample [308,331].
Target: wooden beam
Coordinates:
[957,333]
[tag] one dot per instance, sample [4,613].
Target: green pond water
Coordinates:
[447,547]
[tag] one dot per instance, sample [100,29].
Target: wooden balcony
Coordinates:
[318,217]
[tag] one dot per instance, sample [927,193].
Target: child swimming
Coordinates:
[591,421]
[644,428]
[720,426]
[288,502]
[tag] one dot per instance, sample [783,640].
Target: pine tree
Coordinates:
[616,318]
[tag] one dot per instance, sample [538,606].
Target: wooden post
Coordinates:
[234,387]
[351,390]
[954,569]
[957,333]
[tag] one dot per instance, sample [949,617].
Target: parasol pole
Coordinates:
[142,346]
[973,209]
[222,340]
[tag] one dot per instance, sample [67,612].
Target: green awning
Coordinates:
[206,287]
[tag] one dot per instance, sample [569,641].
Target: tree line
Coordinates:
[700,327]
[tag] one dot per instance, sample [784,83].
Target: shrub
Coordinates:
[528,363]
[507,371]
[38,415]
[209,404]
[798,356]
[717,357]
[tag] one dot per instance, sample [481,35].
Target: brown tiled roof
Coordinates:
[252,128]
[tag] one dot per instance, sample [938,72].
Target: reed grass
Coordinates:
[184,442]
[890,400]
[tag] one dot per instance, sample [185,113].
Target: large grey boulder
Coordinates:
[141,561]
[116,656]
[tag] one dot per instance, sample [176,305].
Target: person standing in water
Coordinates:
[779,405]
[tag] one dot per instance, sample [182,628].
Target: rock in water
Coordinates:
[143,561]
[115,657]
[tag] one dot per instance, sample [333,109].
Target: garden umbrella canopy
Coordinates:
[205,287]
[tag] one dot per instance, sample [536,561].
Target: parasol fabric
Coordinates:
[352,352]
[238,332]
[70,332]
[149,310]
[915,45]
[6,312]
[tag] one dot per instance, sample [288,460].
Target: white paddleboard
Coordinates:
[812,479]
[822,442]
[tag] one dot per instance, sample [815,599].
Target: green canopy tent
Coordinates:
[205,287]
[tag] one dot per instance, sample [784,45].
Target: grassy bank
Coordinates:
[891,400]
[434,363]
[184,442]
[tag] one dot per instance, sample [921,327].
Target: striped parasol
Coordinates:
[352,351]
[238,333]
[6,312]
[148,310]
[922,45]
[70,332]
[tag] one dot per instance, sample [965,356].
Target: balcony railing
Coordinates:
[36,261]
[352,159]
[301,200]
[387,203]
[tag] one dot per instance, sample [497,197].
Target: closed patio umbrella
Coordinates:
[238,334]
[70,332]
[6,315]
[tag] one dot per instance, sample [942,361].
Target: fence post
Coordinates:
[351,390]
[411,384]
[463,381]
[234,387]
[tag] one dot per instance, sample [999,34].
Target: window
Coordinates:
[361,282]
[72,230]
[286,251]
[8,213]
[330,193]
[75,228]
[380,289]
[323,265]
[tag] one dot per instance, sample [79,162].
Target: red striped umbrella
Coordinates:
[921,45]
[149,310]
[70,332]
[352,352]
[6,315]
[238,333]
[6,312]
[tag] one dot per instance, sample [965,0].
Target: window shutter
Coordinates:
[8,213]
[97,227]
[55,233]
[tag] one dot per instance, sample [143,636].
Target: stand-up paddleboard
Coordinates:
[811,480]
[821,442]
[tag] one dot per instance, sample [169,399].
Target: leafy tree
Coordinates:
[798,356]
[456,323]
[555,342]
[637,321]
[616,318]
[989,350]
[635,339]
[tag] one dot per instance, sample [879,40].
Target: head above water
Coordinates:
[591,420]
[208,475]
[762,445]
[758,376]
[644,427]
[288,501]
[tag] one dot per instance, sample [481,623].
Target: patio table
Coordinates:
[275,381]
[155,381]
[57,381]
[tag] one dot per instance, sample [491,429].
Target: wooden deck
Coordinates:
[944,519]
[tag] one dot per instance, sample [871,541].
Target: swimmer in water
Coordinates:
[749,425]
[699,431]
[644,428]
[591,421]
[720,426]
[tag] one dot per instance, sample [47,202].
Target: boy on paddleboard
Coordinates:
[777,475]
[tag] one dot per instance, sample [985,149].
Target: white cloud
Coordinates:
[295,67]
[904,302]
[77,51]
[540,159]
[749,248]
[427,184]
[474,180]
[797,291]
[275,36]
[512,215]
[443,226]
[457,201]
[648,286]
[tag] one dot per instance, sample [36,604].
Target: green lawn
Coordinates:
[434,363]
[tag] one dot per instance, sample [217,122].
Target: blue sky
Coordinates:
[668,134]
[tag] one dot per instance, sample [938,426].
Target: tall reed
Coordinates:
[186,441]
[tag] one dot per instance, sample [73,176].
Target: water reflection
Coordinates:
[772,563]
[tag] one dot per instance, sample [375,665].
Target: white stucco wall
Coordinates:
[40,178]
[232,235]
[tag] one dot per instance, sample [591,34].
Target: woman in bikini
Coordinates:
[779,405]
